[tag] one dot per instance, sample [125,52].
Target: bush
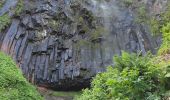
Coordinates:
[132,78]
[13,86]
[165,47]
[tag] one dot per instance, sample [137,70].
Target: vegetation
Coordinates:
[157,23]
[143,15]
[19,7]
[13,86]
[98,32]
[53,24]
[65,94]
[1,3]
[128,2]
[5,19]
[132,78]
[165,47]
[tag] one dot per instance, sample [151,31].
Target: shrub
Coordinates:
[165,47]
[13,86]
[132,78]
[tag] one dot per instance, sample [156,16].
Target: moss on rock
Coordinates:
[1,3]
[4,21]
[19,7]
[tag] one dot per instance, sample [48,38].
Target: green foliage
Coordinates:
[98,32]
[156,24]
[4,21]
[165,47]
[1,3]
[163,62]
[81,43]
[13,86]
[54,24]
[128,2]
[142,16]
[19,7]
[66,94]
[132,78]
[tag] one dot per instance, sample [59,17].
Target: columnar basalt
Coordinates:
[61,44]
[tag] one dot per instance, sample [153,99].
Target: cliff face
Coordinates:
[61,44]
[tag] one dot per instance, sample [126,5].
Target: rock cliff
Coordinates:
[61,44]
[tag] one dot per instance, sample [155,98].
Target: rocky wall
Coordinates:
[61,44]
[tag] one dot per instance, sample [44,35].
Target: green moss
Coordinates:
[53,24]
[13,86]
[82,43]
[4,21]
[81,20]
[156,24]
[66,94]
[84,28]
[19,8]
[128,2]
[142,16]
[2,3]
[96,46]
[98,32]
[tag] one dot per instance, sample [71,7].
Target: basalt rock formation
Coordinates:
[61,44]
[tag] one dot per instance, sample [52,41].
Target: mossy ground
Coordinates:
[13,86]
[59,95]
[63,94]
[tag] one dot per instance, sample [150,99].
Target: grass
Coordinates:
[13,86]
[66,94]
